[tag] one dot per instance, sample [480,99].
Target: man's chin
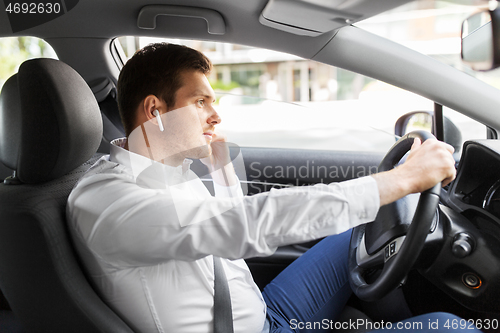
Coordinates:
[199,152]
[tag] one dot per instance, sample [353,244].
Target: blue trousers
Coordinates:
[313,290]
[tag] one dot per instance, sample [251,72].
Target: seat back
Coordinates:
[53,126]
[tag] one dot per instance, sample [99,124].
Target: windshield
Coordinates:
[272,99]
[431,28]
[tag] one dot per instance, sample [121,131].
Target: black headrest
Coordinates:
[10,113]
[50,122]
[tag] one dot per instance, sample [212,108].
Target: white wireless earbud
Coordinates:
[156,113]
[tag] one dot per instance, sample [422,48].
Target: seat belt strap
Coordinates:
[223,313]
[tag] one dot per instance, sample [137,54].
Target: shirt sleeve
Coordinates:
[132,226]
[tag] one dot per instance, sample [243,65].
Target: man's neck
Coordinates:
[172,160]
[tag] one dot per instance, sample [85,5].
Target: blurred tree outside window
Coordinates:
[15,50]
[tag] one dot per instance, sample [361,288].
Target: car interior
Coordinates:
[58,117]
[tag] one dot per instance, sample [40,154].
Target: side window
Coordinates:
[15,50]
[469,128]
[462,129]
[271,99]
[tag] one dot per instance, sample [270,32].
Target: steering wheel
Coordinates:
[388,241]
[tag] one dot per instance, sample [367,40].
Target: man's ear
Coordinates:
[149,104]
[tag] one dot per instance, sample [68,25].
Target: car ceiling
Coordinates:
[109,19]
[80,34]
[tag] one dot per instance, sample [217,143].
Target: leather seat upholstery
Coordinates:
[50,129]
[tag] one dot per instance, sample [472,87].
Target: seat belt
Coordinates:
[223,313]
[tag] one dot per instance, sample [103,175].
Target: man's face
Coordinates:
[190,123]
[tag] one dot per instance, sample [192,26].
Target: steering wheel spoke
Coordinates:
[367,261]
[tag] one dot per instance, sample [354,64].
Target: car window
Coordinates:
[15,50]
[271,99]
[432,28]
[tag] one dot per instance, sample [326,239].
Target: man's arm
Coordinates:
[133,226]
[426,165]
[147,226]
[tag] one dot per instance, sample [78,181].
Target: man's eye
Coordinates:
[201,102]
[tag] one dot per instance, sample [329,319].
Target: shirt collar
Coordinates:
[138,163]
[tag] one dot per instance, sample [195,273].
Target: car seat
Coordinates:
[50,129]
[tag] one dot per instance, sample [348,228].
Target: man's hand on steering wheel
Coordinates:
[427,164]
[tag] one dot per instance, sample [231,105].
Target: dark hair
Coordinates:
[155,70]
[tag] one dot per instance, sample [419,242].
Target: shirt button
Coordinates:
[362,214]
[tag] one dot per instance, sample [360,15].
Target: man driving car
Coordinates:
[149,231]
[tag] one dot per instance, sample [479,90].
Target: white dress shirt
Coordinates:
[146,233]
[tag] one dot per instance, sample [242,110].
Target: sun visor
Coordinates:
[315,17]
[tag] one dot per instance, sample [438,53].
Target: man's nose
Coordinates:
[214,118]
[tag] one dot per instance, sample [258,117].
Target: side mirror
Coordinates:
[481,40]
[416,120]
[423,120]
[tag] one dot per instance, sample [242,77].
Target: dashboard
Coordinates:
[466,254]
[477,186]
